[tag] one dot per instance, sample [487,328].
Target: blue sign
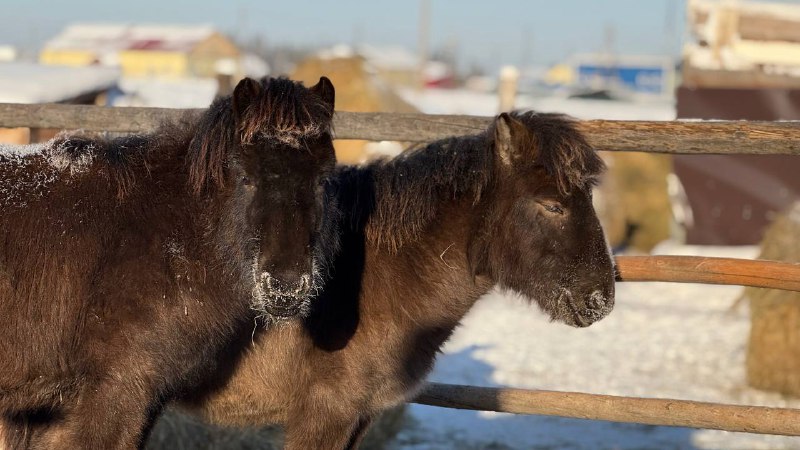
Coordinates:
[641,79]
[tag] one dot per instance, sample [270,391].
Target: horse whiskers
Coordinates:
[441,256]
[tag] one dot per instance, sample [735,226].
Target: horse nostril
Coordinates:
[305,285]
[280,285]
[597,300]
[272,284]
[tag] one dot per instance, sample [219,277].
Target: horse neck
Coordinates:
[381,284]
[203,219]
[427,287]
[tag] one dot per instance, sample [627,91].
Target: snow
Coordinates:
[389,57]
[463,101]
[24,185]
[105,37]
[52,164]
[254,66]
[11,150]
[664,340]
[162,93]
[34,83]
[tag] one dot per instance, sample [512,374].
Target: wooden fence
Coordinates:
[685,137]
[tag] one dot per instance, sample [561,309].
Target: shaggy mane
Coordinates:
[409,188]
[284,111]
[118,158]
[561,149]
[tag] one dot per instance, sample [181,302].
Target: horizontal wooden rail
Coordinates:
[708,270]
[650,411]
[690,137]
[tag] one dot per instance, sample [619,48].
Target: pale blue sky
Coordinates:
[488,32]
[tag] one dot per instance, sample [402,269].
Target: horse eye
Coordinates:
[246,181]
[555,209]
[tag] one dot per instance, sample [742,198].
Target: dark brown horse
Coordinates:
[422,237]
[128,265]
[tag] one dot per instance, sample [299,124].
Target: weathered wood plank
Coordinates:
[650,411]
[708,270]
[718,137]
[84,117]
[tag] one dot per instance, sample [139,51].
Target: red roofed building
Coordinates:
[160,51]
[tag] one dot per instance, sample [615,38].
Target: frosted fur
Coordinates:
[125,264]
[35,168]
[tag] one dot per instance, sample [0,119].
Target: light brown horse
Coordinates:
[423,236]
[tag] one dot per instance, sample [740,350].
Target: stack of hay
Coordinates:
[632,201]
[358,89]
[773,353]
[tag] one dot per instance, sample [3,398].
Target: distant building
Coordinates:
[22,82]
[744,64]
[156,51]
[620,76]
[742,45]
[396,65]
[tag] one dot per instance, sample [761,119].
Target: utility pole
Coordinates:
[669,28]
[610,75]
[422,43]
[526,49]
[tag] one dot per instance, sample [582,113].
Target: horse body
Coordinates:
[105,304]
[128,266]
[422,238]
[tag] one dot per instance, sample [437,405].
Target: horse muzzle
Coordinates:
[282,299]
[590,309]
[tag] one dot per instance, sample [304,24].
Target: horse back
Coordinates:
[64,232]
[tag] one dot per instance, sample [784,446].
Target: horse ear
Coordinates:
[324,90]
[243,95]
[506,129]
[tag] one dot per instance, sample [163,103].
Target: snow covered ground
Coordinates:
[665,340]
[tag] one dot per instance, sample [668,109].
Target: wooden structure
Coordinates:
[743,64]
[695,137]
[689,137]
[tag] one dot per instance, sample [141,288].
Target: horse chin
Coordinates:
[279,306]
[282,307]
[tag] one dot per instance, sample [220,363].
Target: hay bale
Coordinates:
[634,192]
[358,89]
[176,430]
[773,351]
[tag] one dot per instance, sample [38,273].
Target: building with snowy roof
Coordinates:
[24,82]
[156,51]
